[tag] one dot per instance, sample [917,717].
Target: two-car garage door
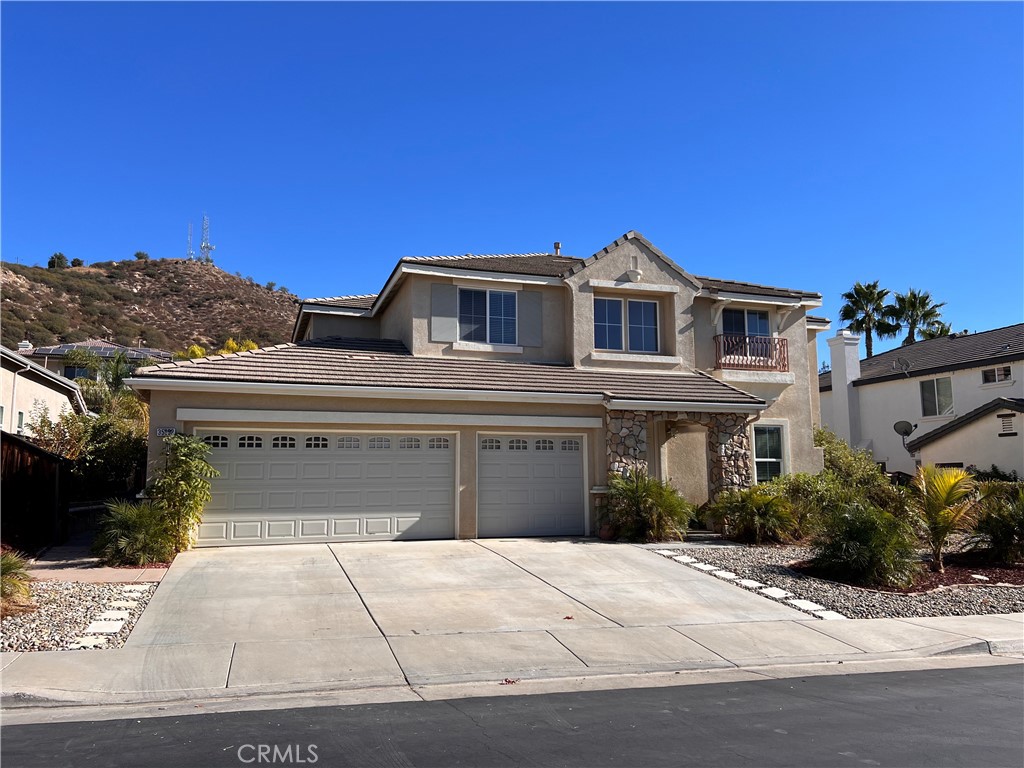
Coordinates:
[282,487]
[278,487]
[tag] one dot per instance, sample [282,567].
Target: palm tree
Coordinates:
[865,312]
[915,311]
[945,502]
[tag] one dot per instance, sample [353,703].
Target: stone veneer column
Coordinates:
[626,437]
[728,448]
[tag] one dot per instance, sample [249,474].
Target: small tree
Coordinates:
[182,487]
[141,256]
[77,263]
[271,285]
[57,261]
[231,346]
[67,435]
[945,502]
[191,353]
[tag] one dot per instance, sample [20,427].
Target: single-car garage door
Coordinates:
[530,485]
[279,487]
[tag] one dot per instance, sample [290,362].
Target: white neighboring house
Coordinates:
[23,384]
[964,395]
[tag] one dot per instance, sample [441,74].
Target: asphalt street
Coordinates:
[959,717]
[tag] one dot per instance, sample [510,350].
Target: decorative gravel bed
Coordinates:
[768,566]
[65,609]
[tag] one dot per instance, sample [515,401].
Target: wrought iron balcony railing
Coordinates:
[751,353]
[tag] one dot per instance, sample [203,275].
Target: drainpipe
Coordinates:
[14,391]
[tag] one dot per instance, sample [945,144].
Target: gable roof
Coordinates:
[101,348]
[634,235]
[15,361]
[355,301]
[999,404]
[386,363]
[939,355]
[540,264]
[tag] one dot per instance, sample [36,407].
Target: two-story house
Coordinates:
[960,398]
[490,395]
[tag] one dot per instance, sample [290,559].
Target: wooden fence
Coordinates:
[33,495]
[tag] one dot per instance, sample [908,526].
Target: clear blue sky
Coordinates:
[806,145]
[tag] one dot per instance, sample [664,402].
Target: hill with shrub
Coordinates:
[170,303]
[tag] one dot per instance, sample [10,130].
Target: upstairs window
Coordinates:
[937,397]
[745,322]
[71,372]
[638,318]
[993,375]
[487,317]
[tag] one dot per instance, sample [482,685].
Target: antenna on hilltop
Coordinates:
[189,253]
[204,247]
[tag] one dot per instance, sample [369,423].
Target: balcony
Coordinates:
[751,353]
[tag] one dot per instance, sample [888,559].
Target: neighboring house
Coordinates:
[52,358]
[961,392]
[480,396]
[24,385]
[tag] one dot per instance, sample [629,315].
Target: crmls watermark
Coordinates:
[275,753]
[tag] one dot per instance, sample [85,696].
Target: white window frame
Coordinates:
[935,392]
[487,317]
[624,326]
[998,377]
[785,463]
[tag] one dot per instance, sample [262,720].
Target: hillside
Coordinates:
[170,303]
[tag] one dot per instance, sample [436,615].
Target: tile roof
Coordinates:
[341,361]
[355,301]
[101,348]
[945,353]
[715,285]
[998,404]
[540,264]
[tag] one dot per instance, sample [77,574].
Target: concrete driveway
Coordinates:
[447,611]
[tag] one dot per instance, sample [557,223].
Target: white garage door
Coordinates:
[279,487]
[530,485]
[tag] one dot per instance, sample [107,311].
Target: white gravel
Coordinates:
[65,609]
[768,566]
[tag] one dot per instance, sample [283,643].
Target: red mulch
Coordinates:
[959,569]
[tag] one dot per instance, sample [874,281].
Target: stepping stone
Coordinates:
[685,559]
[806,605]
[87,642]
[829,615]
[775,592]
[667,552]
[104,628]
[135,588]
[114,616]
[705,567]
[124,604]
[750,583]
[729,575]
[979,577]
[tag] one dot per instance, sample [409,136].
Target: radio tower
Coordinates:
[190,254]
[204,247]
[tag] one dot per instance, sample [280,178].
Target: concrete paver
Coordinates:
[483,656]
[763,642]
[360,661]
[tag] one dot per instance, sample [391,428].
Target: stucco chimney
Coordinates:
[844,354]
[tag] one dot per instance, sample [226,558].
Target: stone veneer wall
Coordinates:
[728,443]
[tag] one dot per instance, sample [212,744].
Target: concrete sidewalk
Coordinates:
[411,618]
[74,561]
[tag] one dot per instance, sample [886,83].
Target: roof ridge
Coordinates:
[460,256]
[196,360]
[950,337]
[339,298]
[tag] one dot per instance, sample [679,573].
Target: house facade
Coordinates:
[25,386]
[958,393]
[490,395]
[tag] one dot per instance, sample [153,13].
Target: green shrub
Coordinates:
[14,578]
[753,515]
[861,544]
[182,487]
[644,508]
[1000,527]
[134,533]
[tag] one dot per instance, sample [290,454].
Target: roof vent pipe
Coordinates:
[558,248]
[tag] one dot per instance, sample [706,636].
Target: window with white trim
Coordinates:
[639,318]
[937,397]
[283,441]
[518,445]
[993,375]
[544,445]
[380,443]
[570,445]
[318,443]
[348,443]
[487,317]
[490,444]
[250,441]
[438,444]
[409,444]
[216,441]
[767,453]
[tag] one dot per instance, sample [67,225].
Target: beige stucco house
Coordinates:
[478,396]
[25,386]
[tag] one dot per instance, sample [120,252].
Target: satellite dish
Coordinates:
[904,428]
[901,364]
